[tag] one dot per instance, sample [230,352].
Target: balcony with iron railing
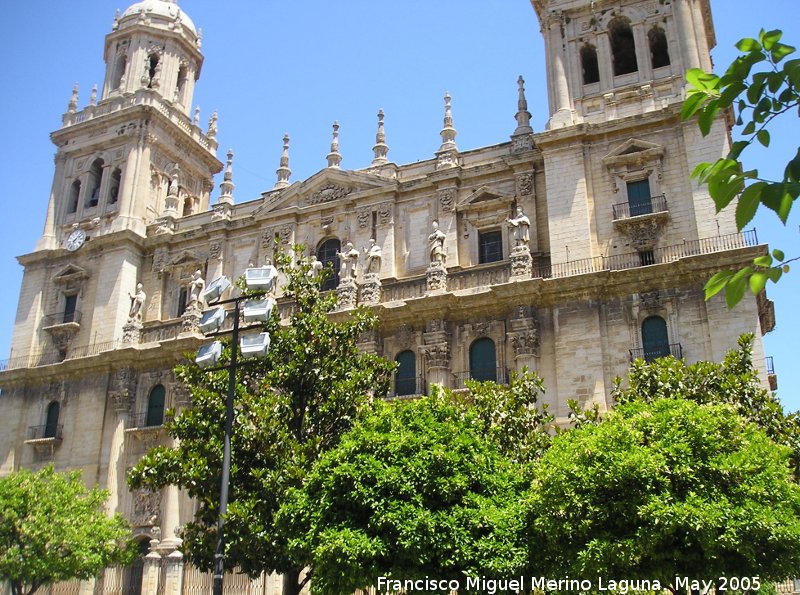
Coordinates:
[55,319]
[46,432]
[650,353]
[499,375]
[407,388]
[662,255]
[772,377]
[148,420]
[626,210]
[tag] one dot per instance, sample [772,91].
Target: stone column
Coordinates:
[173,583]
[559,86]
[436,349]
[687,33]
[525,338]
[151,573]
[123,383]
[87,587]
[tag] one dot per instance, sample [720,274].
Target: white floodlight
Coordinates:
[255,345]
[260,279]
[258,310]
[209,354]
[215,289]
[212,320]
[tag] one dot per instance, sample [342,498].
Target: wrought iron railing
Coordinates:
[49,357]
[648,354]
[657,256]
[624,210]
[147,420]
[45,431]
[407,387]
[61,318]
[499,375]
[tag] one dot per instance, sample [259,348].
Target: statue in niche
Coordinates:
[347,262]
[372,255]
[196,287]
[436,243]
[520,227]
[137,303]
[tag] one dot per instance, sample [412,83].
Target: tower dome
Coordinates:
[159,12]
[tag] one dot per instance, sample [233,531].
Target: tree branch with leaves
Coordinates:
[759,87]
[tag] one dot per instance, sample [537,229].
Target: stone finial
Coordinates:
[523,116]
[447,155]
[334,157]
[93,96]
[174,181]
[196,119]
[173,200]
[115,24]
[380,149]
[448,131]
[212,126]
[227,185]
[72,107]
[283,171]
[199,38]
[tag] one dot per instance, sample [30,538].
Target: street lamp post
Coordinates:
[262,281]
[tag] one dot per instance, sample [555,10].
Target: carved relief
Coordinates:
[363,217]
[437,356]
[160,259]
[215,250]
[526,343]
[650,300]
[146,508]
[404,338]
[525,184]
[328,193]
[522,143]
[447,199]
[285,234]
[385,213]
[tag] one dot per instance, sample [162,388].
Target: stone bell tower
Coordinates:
[610,59]
[136,154]
[128,165]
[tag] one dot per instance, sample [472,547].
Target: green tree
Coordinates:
[757,98]
[661,490]
[53,528]
[734,382]
[415,490]
[290,408]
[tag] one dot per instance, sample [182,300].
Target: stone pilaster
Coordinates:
[521,263]
[151,573]
[371,289]
[132,331]
[173,583]
[436,278]
[347,292]
[436,350]
[525,338]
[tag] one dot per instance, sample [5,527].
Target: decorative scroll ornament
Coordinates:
[328,193]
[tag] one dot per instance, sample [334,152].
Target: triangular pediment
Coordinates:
[326,187]
[183,258]
[634,149]
[484,197]
[70,272]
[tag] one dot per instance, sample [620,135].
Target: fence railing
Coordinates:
[624,210]
[648,354]
[61,318]
[46,431]
[147,420]
[407,387]
[499,375]
[631,260]
[47,358]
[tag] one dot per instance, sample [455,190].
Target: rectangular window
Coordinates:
[639,200]
[183,296]
[490,246]
[70,303]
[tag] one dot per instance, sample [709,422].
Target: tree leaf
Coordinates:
[717,283]
[763,137]
[778,254]
[748,44]
[758,281]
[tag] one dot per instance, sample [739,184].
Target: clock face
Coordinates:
[75,240]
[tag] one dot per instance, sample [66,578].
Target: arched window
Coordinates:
[327,255]
[95,178]
[155,406]
[113,187]
[405,379]
[591,72]
[483,360]
[152,69]
[119,71]
[188,206]
[655,340]
[74,196]
[623,47]
[659,52]
[181,84]
[51,420]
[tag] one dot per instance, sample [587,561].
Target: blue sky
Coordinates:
[275,67]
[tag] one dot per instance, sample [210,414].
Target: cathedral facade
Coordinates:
[569,251]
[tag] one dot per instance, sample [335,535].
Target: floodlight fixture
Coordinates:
[211,320]
[209,354]
[258,310]
[255,345]
[215,289]
[261,278]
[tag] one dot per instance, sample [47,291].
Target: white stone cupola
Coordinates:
[609,59]
[153,45]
